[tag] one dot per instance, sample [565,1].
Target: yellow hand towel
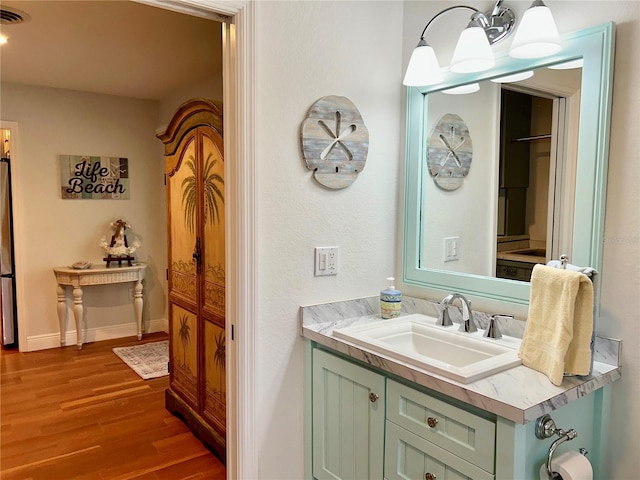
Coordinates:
[558,333]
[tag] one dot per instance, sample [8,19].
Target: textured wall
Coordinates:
[307,50]
[621,265]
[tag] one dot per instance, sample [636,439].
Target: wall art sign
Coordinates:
[87,177]
[334,141]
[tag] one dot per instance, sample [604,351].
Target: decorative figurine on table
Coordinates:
[118,250]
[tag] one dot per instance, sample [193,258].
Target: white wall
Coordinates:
[58,232]
[621,267]
[469,211]
[307,50]
[210,88]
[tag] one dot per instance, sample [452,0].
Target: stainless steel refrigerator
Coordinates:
[7,278]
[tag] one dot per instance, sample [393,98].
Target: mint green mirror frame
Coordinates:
[596,46]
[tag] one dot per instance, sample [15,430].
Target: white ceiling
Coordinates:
[115,47]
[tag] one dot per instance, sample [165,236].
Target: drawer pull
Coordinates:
[373,397]
[429,476]
[432,422]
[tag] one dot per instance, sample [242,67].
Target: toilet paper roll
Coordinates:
[570,466]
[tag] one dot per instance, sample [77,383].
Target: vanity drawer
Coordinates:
[408,456]
[454,429]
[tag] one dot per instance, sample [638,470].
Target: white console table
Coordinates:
[67,276]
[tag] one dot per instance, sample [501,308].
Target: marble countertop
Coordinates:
[517,257]
[519,394]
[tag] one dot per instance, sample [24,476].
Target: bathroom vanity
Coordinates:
[374,416]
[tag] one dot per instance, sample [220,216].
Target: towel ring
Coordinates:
[564,259]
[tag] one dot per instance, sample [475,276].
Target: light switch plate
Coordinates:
[326,261]
[451,249]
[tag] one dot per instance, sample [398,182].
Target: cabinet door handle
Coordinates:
[432,422]
[373,397]
[429,476]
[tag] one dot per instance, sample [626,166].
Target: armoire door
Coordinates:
[212,279]
[196,270]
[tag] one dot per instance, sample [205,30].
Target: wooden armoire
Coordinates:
[194,177]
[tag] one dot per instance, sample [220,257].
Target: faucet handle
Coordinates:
[492,330]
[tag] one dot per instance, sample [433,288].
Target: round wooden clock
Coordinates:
[449,152]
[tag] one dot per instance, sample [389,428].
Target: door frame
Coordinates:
[16,204]
[239,31]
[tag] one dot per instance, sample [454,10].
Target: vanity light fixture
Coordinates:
[473,52]
[3,39]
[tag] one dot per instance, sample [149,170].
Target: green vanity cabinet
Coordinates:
[365,422]
[348,419]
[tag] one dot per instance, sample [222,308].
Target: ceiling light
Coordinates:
[516,77]
[537,35]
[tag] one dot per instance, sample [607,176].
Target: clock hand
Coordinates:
[444,140]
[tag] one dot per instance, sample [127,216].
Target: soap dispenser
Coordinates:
[390,300]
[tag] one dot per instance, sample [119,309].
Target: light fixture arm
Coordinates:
[448,9]
[496,24]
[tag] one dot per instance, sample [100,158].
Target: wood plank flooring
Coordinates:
[84,415]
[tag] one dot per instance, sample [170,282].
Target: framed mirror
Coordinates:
[578,221]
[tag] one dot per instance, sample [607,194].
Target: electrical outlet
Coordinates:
[326,261]
[451,249]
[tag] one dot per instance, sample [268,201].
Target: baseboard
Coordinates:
[52,340]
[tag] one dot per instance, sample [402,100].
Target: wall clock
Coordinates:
[449,152]
[334,141]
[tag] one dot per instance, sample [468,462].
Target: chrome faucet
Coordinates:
[467,324]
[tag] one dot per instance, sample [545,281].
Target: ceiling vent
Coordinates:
[11,16]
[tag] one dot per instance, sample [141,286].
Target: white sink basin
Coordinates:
[417,340]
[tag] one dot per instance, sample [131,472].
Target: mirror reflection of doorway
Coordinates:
[531,133]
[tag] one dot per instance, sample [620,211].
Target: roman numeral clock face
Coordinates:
[449,152]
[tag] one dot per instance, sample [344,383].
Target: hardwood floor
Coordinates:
[68,414]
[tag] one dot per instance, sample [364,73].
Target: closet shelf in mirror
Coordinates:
[532,138]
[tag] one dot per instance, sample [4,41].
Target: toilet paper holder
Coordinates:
[546,428]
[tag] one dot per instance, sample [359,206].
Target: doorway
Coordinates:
[532,136]
[8,304]
[239,32]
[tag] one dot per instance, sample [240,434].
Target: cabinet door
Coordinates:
[409,457]
[182,274]
[212,279]
[348,419]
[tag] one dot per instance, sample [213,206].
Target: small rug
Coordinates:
[149,360]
